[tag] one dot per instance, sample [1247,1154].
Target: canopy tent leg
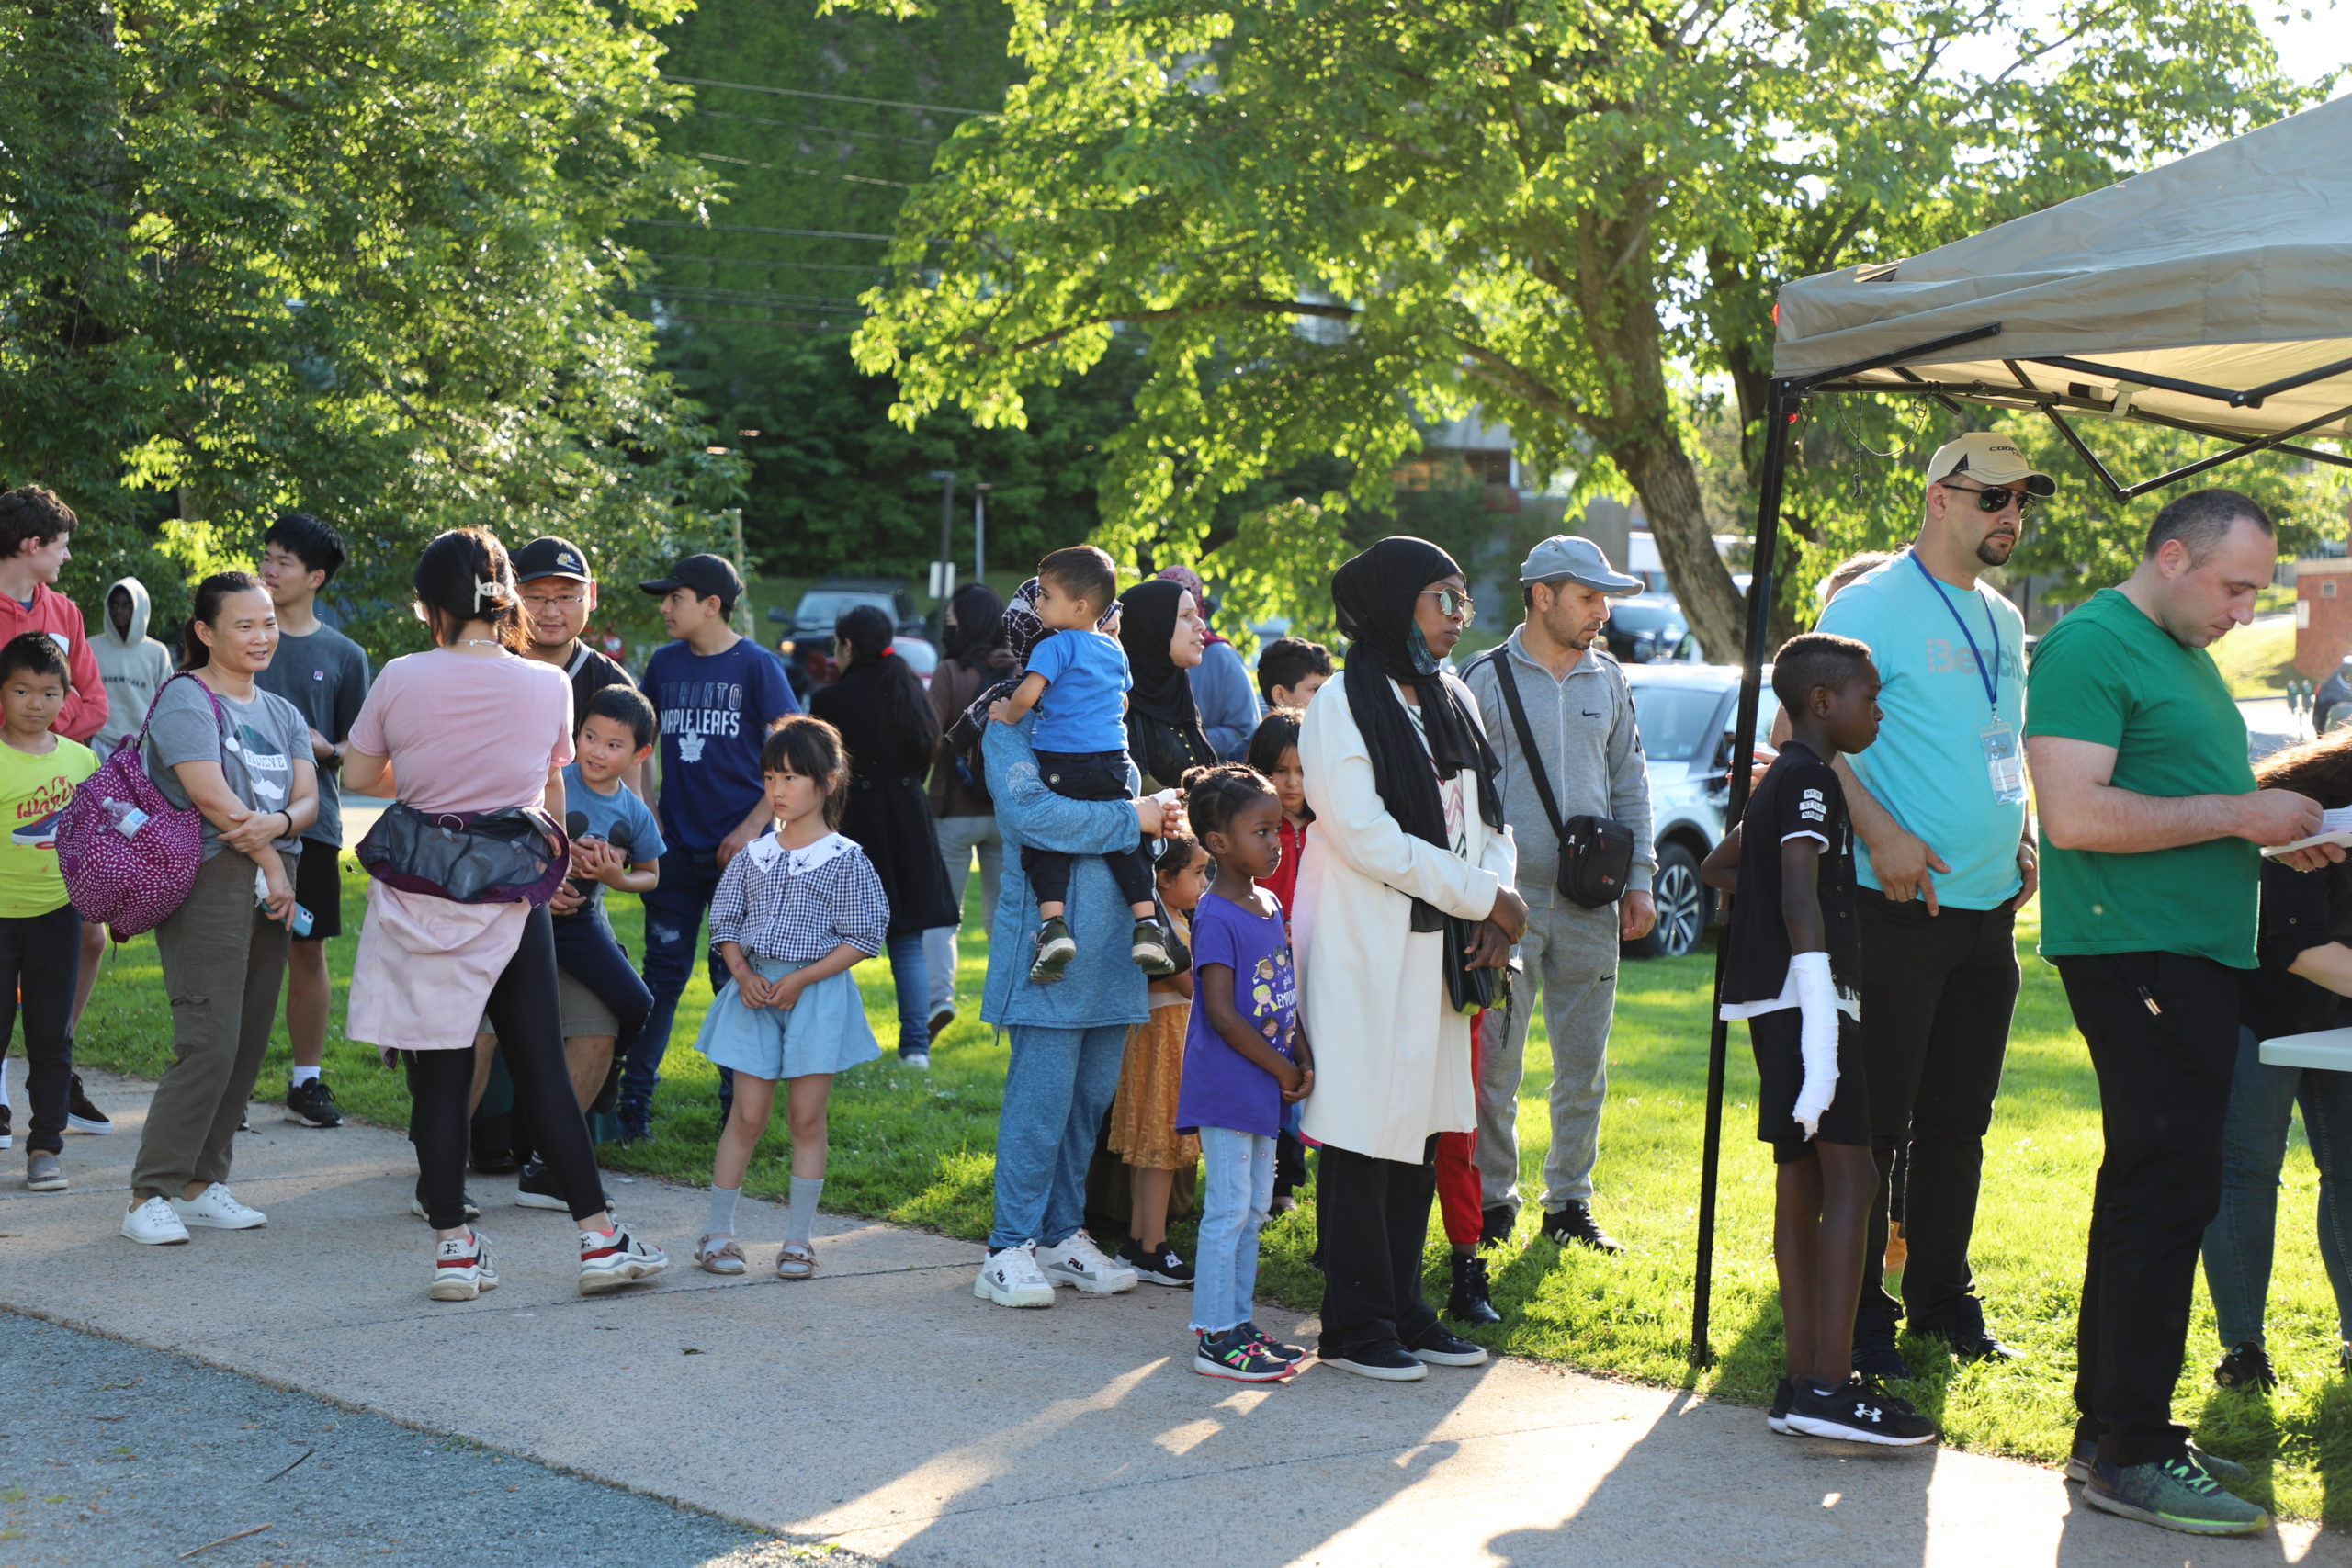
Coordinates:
[1781,413]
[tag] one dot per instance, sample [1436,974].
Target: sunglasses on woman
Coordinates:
[1453,603]
[1998,496]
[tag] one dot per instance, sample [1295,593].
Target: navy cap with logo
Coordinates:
[710,577]
[550,556]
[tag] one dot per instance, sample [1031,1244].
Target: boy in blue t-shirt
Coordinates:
[1077,682]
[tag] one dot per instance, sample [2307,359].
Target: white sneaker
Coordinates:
[462,1269]
[1010,1279]
[154,1224]
[1081,1264]
[620,1258]
[217,1209]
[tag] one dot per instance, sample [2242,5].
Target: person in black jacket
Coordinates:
[886,721]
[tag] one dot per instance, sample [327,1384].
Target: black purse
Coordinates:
[518,855]
[1470,991]
[1595,852]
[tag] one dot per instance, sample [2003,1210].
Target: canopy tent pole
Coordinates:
[1781,413]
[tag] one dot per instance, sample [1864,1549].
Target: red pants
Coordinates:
[1457,1169]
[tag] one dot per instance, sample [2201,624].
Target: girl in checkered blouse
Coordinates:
[793,913]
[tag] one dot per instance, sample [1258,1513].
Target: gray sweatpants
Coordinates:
[1571,953]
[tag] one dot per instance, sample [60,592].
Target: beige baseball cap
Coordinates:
[1984,457]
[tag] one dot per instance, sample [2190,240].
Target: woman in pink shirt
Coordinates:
[471,727]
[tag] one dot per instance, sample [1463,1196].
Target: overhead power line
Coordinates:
[829,97]
[823,304]
[820,129]
[760,229]
[812,174]
[756,322]
[767,262]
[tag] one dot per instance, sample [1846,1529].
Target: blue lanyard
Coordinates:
[1991,678]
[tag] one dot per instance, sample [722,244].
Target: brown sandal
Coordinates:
[795,1260]
[726,1258]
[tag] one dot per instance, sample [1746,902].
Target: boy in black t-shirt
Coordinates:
[1790,972]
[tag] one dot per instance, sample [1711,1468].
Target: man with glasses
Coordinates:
[1942,863]
[1586,753]
[557,594]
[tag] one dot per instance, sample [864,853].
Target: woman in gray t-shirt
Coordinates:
[245,766]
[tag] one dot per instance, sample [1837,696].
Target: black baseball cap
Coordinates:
[550,556]
[711,577]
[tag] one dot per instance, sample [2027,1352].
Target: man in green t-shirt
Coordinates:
[2150,829]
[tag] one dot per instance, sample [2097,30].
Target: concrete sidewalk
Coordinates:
[882,1407]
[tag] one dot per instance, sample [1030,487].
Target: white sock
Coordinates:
[4,1080]
[304,1074]
[722,1210]
[803,1218]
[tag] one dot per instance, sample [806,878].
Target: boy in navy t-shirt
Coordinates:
[716,694]
[1077,682]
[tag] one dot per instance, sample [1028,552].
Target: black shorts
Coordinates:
[317,887]
[1779,1039]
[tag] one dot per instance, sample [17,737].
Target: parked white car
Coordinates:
[1685,712]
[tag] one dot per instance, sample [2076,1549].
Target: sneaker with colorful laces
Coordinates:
[1240,1355]
[1273,1347]
[612,1259]
[2171,1493]
[461,1268]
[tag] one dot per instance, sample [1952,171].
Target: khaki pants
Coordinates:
[223,960]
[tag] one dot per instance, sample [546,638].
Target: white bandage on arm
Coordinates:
[1818,1001]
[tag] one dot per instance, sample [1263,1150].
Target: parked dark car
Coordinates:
[808,648]
[1686,714]
[1645,629]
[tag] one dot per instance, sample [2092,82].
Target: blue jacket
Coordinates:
[1228,704]
[1103,985]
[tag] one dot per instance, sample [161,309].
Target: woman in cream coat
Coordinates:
[1402,841]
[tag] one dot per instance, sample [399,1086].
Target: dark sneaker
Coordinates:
[1056,948]
[2173,1494]
[1469,1302]
[1576,1223]
[313,1103]
[1148,948]
[1964,1330]
[1857,1413]
[1388,1363]
[1874,1353]
[1495,1222]
[7,1138]
[43,1172]
[1238,1354]
[493,1162]
[1160,1265]
[416,1204]
[2227,1471]
[1273,1347]
[2247,1368]
[536,1188]
[81,1116]
[1778,1416]
[637,1122]
[1439,1349]
[940,1020]
[243,1125]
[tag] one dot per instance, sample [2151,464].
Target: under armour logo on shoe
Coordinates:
[1864,1413]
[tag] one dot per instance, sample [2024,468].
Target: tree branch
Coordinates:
[1255,304]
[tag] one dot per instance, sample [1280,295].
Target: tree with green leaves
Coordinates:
[1332,220]
[354,259]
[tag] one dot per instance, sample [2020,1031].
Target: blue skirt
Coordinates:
[824,1031]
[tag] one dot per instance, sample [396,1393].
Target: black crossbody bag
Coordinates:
[1595,852]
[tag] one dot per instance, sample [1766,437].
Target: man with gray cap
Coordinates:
[1942,859]
[1579,716]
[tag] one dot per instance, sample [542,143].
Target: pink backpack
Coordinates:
[129,856]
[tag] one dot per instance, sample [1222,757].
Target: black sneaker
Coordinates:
[1240,1355]
[1778,1416]
[81,1116]
[313,1103]
[1148,948]
[1874,1353]
[535,1188]
[1469,1301]
[1964,1330]
[1439,1348]
[1856,1412]
[940,1020]
[1388,1363]
[1160,1265]
[2248,1368]
[416,1204]
[1495,1222]
[1576,1223]
[1056,948]
[7,1138]
[637,1121]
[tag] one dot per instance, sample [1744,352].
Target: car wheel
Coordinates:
[1684,905]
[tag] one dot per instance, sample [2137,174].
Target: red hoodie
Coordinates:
[52,612]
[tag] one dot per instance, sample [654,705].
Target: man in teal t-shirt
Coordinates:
[1942,863]
[2150,826]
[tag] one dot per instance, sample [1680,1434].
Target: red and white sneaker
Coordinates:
[612,1259]
[462,1269]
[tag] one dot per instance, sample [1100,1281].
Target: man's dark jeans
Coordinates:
[2163,1030]
[1938,993]
[673,915]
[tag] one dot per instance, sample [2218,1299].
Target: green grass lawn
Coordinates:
[916,1148]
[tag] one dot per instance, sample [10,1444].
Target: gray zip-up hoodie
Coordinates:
[1591,750]
[133,665]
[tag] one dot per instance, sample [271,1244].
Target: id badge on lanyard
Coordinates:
[2004,761]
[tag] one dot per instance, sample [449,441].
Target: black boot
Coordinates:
[1468,1303]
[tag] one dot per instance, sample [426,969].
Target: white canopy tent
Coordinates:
[2213,295]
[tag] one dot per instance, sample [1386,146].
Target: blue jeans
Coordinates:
[1237,1192]
[673,915]
[1056,1093]
[2238,1243]
[909,977]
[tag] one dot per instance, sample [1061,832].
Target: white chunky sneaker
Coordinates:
[216,1208]
[1010,1279]
[608,1261]
[154,1224]
[462,1269]
[1082,1265]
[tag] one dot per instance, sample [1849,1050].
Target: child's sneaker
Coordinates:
[1149,949]
[1056,948]
[1240,1355]
[216,1208]
[43,1172]
[609,1260]
[1273,1347]
[1011,1279]
[81,1116]
[2173,1494]
[1079,1263]
[1857,1412]
[1161,1265]
[462,1269]
[1778,1416]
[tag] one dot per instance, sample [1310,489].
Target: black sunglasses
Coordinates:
[1998,496]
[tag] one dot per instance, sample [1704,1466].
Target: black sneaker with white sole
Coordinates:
[1056,948]
[1388,1363]
[312,1104]
[1161,1265]
[1240,1355]
[7,1138]
[1778,1416]
[416,1204]
[2247,1368]
[1439,1349]
[536,1188]
[81,1116]
[1857,1412]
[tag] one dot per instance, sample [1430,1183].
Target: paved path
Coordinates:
[882,1407]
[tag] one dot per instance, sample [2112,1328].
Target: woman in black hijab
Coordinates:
[889,726]
[1161,629]
[1410,833]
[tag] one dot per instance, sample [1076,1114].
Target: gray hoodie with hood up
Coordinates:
[133,665]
